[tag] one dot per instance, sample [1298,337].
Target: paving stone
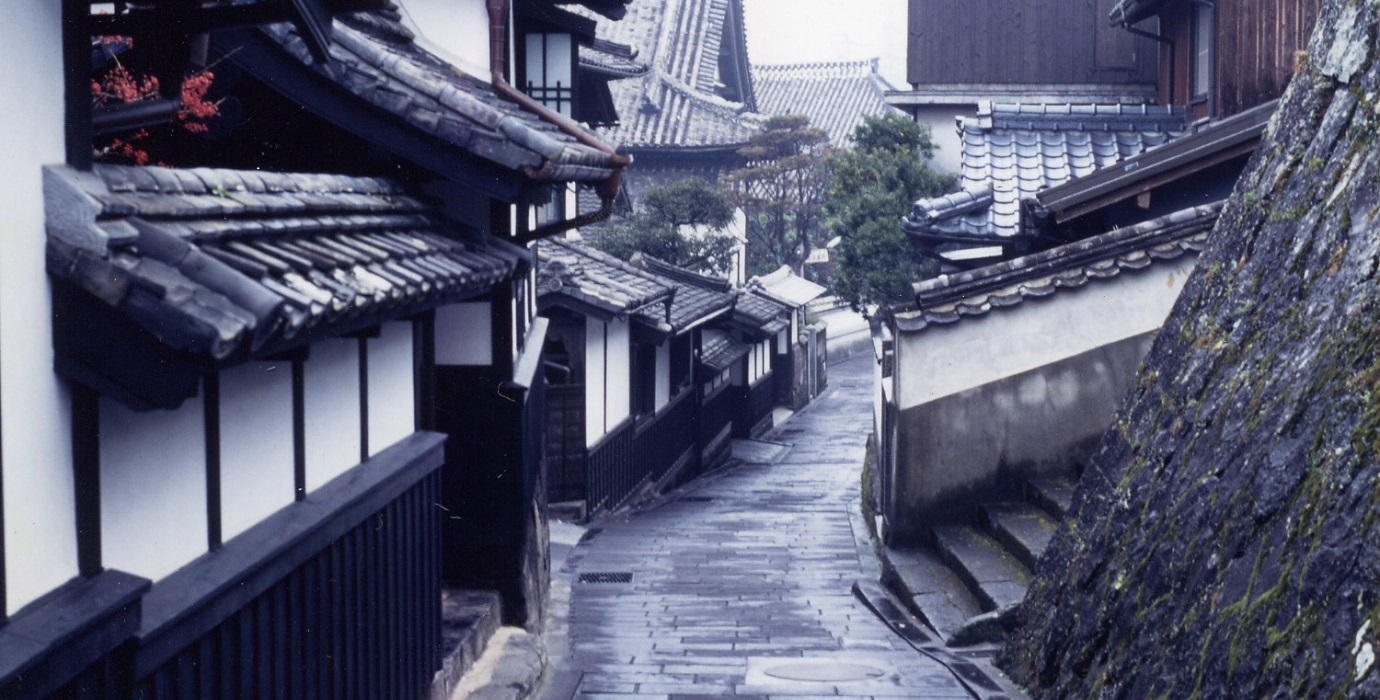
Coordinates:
[757,568]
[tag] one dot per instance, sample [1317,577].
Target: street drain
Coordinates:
[606,577]
[823,671]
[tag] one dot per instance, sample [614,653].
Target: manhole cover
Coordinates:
[606,577]
[823,671]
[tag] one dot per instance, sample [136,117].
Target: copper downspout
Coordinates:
[608,189]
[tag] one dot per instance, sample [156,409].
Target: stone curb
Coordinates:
[977,682]
[510,668]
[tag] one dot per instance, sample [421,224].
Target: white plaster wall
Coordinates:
[456,30]
[464,334]
[256,465]
[40,519]
[947,359]
[153,487]
[942,119]
[595,386]
[663,374]
[392,403]
[332,409]
[620,372]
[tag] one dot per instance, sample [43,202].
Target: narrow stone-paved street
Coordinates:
[740,582]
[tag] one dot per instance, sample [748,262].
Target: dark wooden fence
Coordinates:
[720,407]
[334,597]
[566,457]
[635,453]
[613,470]
[667,439]
[753,408]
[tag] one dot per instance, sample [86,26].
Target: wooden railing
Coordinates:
[336,596]
[612,469]
[668,439]
[716,424]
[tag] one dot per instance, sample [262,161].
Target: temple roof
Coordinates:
[835,96]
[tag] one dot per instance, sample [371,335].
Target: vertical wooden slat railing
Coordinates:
[348,609]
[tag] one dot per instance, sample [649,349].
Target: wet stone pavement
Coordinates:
[740,582]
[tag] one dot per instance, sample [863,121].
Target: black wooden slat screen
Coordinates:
[359,620]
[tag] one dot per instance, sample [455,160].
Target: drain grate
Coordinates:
[696,499]
[606,577]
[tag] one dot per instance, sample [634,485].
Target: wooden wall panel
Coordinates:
[1023,42]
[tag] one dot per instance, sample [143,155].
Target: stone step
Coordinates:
[1052,493]
[1024,529]
[994,576]
[469,619]
[930,589]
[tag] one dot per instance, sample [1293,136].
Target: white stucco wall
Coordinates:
[942,120]
[256,466]
[332,409]
[153,487]
[392,402]
[619,375]
[39,514]
[595,412]
[947,359]
[456,30]
[663,374]
[464,334]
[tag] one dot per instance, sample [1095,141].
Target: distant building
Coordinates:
[835,96]
[962,53]
[1220,58]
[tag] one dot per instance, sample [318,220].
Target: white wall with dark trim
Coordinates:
[40,541]
[332,410]
[392,404]
[596,411]
[256,448]
[663,374]
[456,30]
[153,487]
[464,334]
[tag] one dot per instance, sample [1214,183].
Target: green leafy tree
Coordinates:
[780,189]
[679,223]
[871,186]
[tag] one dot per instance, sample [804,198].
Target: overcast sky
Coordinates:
[808,31]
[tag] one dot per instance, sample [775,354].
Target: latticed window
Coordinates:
[550,73]
[1202,50]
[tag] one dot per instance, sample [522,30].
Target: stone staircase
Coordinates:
[967,580]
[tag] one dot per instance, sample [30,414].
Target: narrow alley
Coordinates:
[740,584]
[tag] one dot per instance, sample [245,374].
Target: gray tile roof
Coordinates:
[675,104]
[784,286]
[376,59]
[612,60]
[697,298]
[835,96]
[1012,151]
[230,264]
[759,311]
[750,308]
[584,278]
[951,298]
[720,352]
